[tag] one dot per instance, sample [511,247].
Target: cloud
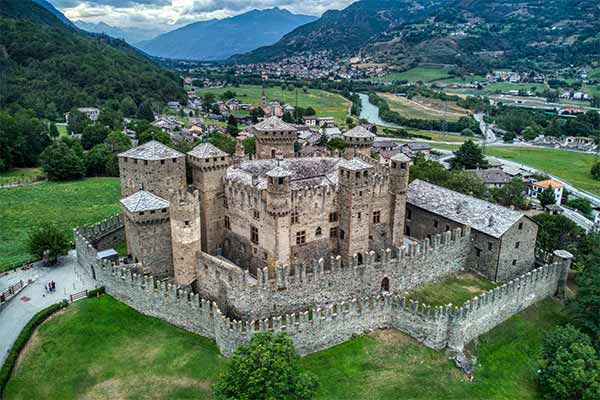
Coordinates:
[164,15]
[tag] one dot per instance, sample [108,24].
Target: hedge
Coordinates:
[96,292]
[22,339]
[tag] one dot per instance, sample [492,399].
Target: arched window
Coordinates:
[318,232]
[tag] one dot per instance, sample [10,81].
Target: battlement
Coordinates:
[100,229]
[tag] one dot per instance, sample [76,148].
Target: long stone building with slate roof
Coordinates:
[197,219]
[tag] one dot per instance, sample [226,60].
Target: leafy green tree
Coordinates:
[223,142]
[336,144]
[145,112]
[467,132]
[582,205]
[96,160]
[207,100]
[547,197]
[48,238]
[467,183]
[227,95]
[93,135]
[128,107]
[587,302]
[530,133]
[118,142]
[154,133]
[468,156]
[249,145]
[428,171]
[511,194]
[595,171]
[77,122]
[61,163]
[571,369]
[509,137]
[266,368]
[53,131]
[558,232]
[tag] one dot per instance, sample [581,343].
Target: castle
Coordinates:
[323,248]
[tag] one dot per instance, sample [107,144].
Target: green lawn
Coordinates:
[571,166]
[326,104]
[19,173]
[62,130]
[68,205]
[455,290]
[423,74]
[507,86]
[99,348]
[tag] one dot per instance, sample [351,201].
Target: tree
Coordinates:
[547,197]
[207,100]
[336,144]
[128,107]
[77,122]
[468,156]
[249,145]
[266,368]
[530,133]
[467,183]
[558,232]
[154,133]
[467,132]
[223,142]
[509,137]
[587,302]
[595,171]
[53,131]
[93,135]
[145,112]
[582,205]
[511,194]
[60,163]
[571,369]
[118,142]
[96,160]
[48,238]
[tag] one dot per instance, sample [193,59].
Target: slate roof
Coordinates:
[144,201]
[206,150]
[278,172]
[492,176]
[418,146]
[355,164]
[382,144]
[400,157]
[273,124]
[152,150]
[359,132]
[491,219]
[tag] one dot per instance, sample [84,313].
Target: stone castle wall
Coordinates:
[320,327]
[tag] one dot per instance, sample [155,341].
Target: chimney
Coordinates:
[491,221]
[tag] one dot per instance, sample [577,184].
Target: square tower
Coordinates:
[273,136]
[359,141]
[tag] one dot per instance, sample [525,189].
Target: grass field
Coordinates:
[422,108]
[507,86]
[66,204]
[423,74]
[19,173]
[326,104]
[99,348]
[456,290]
[568,165]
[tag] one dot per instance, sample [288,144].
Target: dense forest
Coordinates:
[49,67]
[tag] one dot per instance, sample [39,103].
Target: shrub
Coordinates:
[22,339]
[596,171]
[266,368]
[95,292]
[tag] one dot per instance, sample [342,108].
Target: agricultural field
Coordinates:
[423,74]
[100,348]
[571,166]
[326,104]
[424,108]
[68,205]
[19,173]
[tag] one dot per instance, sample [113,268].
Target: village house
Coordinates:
[536,188]
[493,177]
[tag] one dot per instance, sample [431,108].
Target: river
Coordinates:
[370,112]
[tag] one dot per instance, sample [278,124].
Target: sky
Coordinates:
[164,15]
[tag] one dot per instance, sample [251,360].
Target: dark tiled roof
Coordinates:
[152,150]
[144,201]
[481,215]
[206,150]
[492,175]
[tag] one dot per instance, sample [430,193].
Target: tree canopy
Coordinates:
[468,156]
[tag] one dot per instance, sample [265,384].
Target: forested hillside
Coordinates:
[50,67]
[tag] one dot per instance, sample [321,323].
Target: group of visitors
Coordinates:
[50,287]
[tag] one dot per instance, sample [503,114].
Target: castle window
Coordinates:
[187,223]
[342,234]
[162,162]
[152,212]
[295,217]
[359,215]
[435,223]
[254,235]
[174,160]
[164,210]
[280,181]
[225,204]
[256,214]
[477,252]
[393,164]
[376,217]
[490,246]
[318,231]
[402,165]
[135,160]
[520,226]
[333,232]
[514,262]
[447,228]
[300,237]
[517,245]
[333,217]
[141,213]
[227,223]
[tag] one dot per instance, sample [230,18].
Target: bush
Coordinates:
[596,171]
[266,368]
[22,339]
[95,292]
[48,238]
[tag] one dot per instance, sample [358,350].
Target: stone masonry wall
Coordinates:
[320,327]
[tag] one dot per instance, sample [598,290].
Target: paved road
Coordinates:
[69,277]
[578,219]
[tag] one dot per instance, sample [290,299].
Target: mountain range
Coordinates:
[470,33]
[218,39]
[50,67]
[130,35]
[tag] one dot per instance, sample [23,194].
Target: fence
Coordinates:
[78,296]
[23,182]
[12,290]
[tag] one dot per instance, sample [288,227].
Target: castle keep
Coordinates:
[269,239]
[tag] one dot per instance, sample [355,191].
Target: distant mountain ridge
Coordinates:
[219,39]
[476,34]
[55,12]
[130,35]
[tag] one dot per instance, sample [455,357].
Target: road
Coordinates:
[486,130]
[69,277]
[578,219]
